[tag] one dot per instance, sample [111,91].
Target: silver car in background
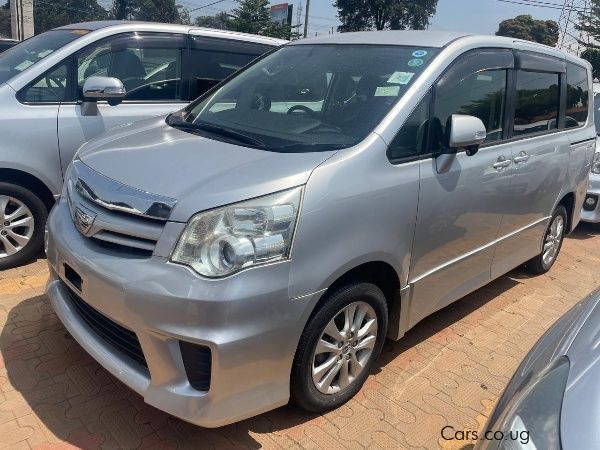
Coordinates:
[591,209]
[260,244]
[553,399]
[61,88]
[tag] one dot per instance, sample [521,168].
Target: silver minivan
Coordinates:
[259,245]
[68,85]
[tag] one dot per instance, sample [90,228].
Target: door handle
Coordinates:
[502,163]
[523,156]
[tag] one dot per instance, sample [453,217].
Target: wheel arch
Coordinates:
[28,181]
[381,274]
[568,201]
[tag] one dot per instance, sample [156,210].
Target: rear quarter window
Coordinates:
[577,96]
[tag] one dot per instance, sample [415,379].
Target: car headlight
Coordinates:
[534,413]
[596,163]
[225,240]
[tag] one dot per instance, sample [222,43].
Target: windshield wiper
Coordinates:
[176,121]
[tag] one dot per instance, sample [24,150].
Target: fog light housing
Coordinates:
[590,203]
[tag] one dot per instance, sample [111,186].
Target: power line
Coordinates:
[538,5]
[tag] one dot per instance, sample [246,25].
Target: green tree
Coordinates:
[590,22]
[48,15]
[5,30]
[254,16]
[221,21]
[592,55]
[526,27]
[358,15]
[166,11]
[123,9]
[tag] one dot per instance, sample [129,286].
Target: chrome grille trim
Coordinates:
[116,196]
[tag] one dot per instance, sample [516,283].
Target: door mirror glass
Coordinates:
[466,132]
[103,88]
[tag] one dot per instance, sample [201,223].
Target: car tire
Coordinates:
[552,243]
[353,351]
[21,235]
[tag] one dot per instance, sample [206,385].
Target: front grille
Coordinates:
[120,338]
[197,361]
[114,215]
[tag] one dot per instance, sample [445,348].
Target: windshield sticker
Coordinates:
[419,53]
[44,53]
[401,77]
[415,62]
[387,91]
[24,65]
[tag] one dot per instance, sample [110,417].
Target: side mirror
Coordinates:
[466,132]
[101,88]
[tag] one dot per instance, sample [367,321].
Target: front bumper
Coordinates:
[248,321]
[591,213]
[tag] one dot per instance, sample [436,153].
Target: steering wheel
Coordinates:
[304,109]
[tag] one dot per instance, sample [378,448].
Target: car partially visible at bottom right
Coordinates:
[553,399]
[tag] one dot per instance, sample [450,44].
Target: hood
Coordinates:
[198,172]
[580,416]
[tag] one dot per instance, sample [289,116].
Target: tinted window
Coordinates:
[50,87]
[480,94]
[213,60]
[537,102]
[411,140]
[24,55]
[304,98]
[577,96]
[150,69]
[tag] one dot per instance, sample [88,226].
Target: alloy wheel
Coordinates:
[344,348]
[16,226]
[553,240]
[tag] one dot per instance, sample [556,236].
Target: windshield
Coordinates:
[27,53]
[305,98]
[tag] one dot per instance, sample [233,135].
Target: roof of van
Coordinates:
[419,38]
[147,26]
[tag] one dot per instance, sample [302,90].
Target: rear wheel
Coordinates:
[22,220]
[553,239]
[338,347]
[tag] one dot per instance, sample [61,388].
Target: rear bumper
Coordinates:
[248,321]
[591,212]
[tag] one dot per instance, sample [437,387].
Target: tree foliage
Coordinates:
[254,16]
[590,22]
[221,21]
[359,15]
[592,55]
[5,30]
[48,15]
[526,27]
[165,11]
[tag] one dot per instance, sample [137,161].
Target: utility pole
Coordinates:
[21,19]
[306,18]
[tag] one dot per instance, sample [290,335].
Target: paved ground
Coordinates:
[448,371]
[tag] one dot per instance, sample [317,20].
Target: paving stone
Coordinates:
[449,370]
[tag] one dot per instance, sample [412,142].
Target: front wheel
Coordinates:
[338,347]
[22,220]
[553,239]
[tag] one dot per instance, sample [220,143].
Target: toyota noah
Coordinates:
[260,244]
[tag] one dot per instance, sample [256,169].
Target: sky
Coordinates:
[472,16]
